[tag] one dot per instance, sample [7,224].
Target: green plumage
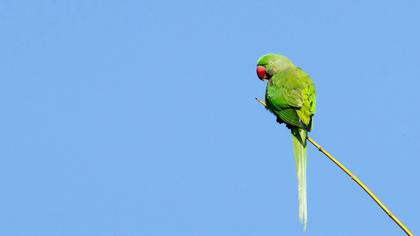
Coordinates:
[290,95]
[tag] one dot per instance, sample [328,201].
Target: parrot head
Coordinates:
[270,64]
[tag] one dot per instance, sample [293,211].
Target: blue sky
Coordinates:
[139,118]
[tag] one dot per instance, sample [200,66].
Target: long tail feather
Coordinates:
[299,151]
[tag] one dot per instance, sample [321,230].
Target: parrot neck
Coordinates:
[279,67]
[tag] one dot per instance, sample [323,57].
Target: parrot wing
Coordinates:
[289,96]
[291,117]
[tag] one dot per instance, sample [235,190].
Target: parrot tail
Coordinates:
[299,151]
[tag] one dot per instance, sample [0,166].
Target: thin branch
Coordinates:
[353,177]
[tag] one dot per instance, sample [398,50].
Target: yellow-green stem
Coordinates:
[353,177]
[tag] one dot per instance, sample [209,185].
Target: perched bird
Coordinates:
[290,96]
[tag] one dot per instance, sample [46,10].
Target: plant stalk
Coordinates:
[355,179]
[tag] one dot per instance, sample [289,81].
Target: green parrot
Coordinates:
[290,96]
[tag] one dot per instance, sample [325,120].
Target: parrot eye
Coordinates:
[261,72]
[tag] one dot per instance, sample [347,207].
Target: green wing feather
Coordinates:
[290,117]
[291,90]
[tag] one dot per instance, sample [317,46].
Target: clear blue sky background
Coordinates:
[139,118]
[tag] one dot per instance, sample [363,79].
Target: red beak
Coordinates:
[261,72]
